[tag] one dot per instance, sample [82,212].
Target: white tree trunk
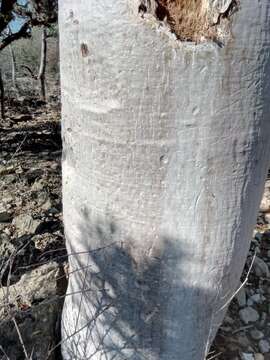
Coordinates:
[2,97]
[43,63]
[165,155]
[14,70]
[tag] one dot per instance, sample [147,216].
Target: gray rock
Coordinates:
[35,285]
[6,169]
[55,166]
[6,248]
[263,318]
[258,236]
[256,242]
[256,298]
[264,346]
[53,211]
[7,231]
[46,205]
[258,356]
[241,297]
[265,203]
[5,216]
[9,179]
[228,320]
[267,218]
[38,185]
[36,306]
[247,356]
[248,315]
[243,341]
[25,224]
[256,334]
[260,267]
[7,199]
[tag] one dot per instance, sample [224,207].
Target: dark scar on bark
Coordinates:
[84,50]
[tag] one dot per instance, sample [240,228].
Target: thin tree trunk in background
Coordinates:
[14,70]
[43,63]
[2,97]
[165,154]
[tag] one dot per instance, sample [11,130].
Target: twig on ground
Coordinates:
[19,147]
[241,286]
[214,356]
[4,353]
[21,339]
[242,328]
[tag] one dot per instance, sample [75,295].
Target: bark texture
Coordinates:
[165,155]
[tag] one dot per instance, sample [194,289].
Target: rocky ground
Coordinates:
[32,250]
[245,332]
[33,258]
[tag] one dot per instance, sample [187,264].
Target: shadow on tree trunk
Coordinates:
[125,309]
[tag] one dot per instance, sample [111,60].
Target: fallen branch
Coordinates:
[21,339]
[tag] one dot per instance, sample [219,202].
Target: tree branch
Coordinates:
[43,13]
[22,33]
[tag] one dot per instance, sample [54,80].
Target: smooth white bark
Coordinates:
[165,155]
[14,70]
[43,63]
[2,97]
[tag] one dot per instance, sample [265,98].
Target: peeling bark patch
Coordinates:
[84,50]
[190,20]
[187,18]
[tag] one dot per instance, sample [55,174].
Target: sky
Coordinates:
[17,23]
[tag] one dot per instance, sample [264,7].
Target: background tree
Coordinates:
[166,148]
[23,17]
[42,66]
[2,97]
[43,63]
[13,69]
